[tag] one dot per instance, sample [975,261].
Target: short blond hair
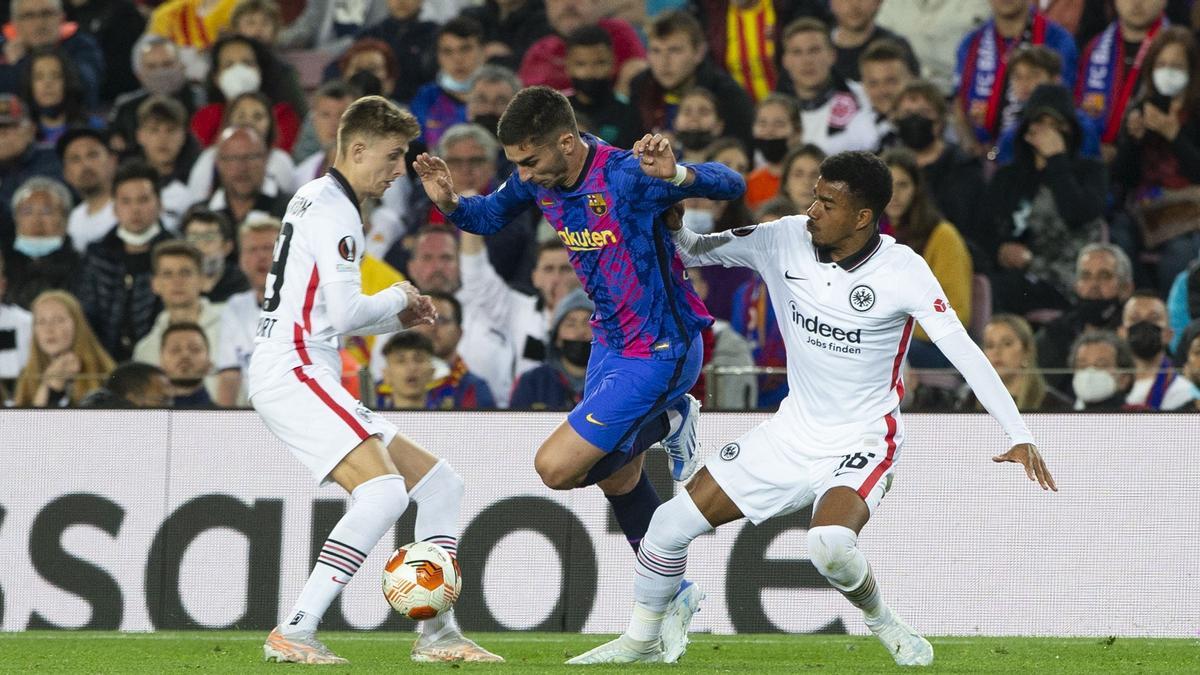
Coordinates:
[375,117]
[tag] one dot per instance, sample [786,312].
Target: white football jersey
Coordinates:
[846,325]
[321,242]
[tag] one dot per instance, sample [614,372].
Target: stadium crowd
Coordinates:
[1045,157]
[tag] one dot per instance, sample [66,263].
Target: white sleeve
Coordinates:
[353,313]
[389,325]
[927,302]
[338,249]
[989,390]
[742,247]
[483,289]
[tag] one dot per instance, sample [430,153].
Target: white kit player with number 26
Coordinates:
[313,297]
[846,297]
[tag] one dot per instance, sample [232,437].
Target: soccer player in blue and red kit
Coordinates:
[607,204]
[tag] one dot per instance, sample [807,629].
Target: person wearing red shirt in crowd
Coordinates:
[240,65]
[545,62]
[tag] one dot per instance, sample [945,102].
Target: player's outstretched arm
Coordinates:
[711,180]
[1027,455]
[478,214]
[435,178]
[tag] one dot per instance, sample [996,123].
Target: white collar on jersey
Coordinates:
[856,259]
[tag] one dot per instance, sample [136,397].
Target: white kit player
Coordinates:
[313,296]
[846,298]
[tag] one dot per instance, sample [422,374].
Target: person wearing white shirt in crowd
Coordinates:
[88,167]
[256,245]
[885,71]
[1156,384]
[16,330]
[253,110]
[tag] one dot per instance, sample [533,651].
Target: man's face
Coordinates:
[576,325]
[14,140]
[909,105]
[36,22]
[207,237]
[177,281]
[157,58]
[808,58]
[673,59]
[589,62]
[136,205]
[404,9]
[408,372]
[255,256]
[156,394]
[459,57]
[553,276]
[1096,355]
[242,165]
[378,162]
[434,263]
[1152,310]
[470,166]
[1098,279]
[40,215]
[445,332]
[88,166]
[1139,14]
[326,113]
[1025,78]
[258,26]
[544,164]
[855,15]
[489,98]
[567,15]
[883,81]
[833,215]
[185,356]
[161,141]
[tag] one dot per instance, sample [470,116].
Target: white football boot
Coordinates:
[678,618]
[622,650]
[902,642]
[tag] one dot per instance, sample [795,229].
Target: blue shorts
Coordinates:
[620,394]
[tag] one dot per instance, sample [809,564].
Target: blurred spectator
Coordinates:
[116,25]
[66,361]
[241,65]
[1102,366]
[176,281]
[40,23]
[676,59]
[510,28]
[776,130]
[440,104]
[1042,208]
[19,160]
[331,26]
[49,84]
[1190,357]
[260,20]
[799,174]
[543,62]
[113,284]
[1156,385]
[1183,303]
[252,110]
[159,70]
[1032,66]
[16,332]
[329,102]
[213,237]
[454,386]
[1111,67]
[185,360]
[697,124]
[468,150]
[726,349]
[731,152]
[42,257]
[983,95]
[193,25]
[753,316]
[854,30]
[164,143]
[410,41]
[433,265]
[132,385]
[1157,169]
[88,167]
[836,115]
[491,90]
[953,177]
[885,71]
[915,222]
[1009,346]
[558,383]
[370,66]
[590,64]
[931,28]
[243,186]
[366,351]
[1103,282]
[239,319]
[408,371]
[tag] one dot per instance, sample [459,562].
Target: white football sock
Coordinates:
[439,496]
[375,507]
[834,552]
[661,561]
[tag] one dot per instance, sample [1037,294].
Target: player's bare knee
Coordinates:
[554,474]
[832,550]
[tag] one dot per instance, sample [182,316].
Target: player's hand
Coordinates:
[1027,455]
[658,160]
[673,217]
[435,177]
[421,312]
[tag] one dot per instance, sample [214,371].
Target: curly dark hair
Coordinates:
[868,180]
[535,113]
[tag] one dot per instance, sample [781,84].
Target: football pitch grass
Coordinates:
[241,652]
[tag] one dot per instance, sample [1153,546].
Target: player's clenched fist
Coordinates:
[435,177]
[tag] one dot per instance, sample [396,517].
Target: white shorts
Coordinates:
[771,472]
[317,419]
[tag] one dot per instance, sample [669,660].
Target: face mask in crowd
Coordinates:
[452,85]
[1170,81]
[576,352]
[915,131]
[238,79]
[694,140]
[1093,385]
[164,81]
[1145,339]
[595,88]
[37,247]
[772,149]
[1098,311]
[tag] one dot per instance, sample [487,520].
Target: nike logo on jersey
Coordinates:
[788,275]
[595,421]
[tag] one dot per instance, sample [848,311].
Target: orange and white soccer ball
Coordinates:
[421,580]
